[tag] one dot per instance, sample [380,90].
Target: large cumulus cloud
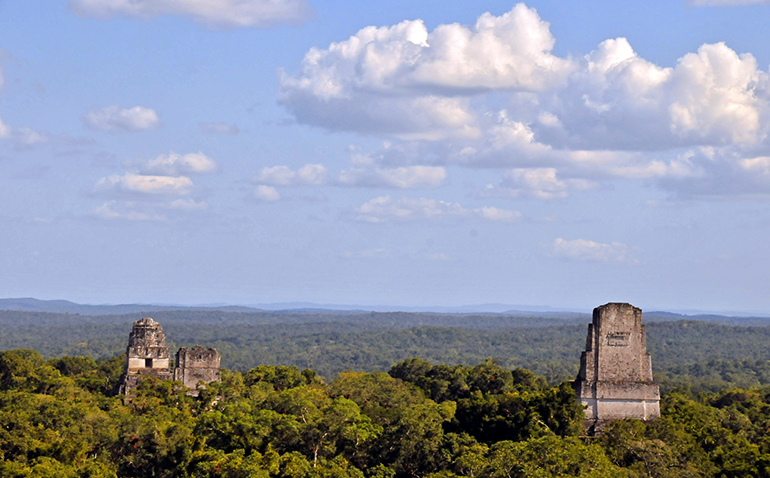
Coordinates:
[618,100]
[494,95]
[407,82]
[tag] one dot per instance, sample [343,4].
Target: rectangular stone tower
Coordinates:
[146,355]
[615,379]
[196,364]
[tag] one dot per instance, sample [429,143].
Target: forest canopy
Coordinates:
[60,418]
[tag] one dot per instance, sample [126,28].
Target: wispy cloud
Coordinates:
[145,184]
[115,118]
[218,128]
[285,176]
[107,211]
[585,250]
[384,208]
[266,193]
[409,177]
[178,164]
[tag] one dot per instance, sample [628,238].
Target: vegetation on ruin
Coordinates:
[60,418]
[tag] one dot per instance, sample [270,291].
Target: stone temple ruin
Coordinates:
[615,379]
[147,356]
[196,364]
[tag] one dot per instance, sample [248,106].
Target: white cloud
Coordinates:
[30,137]
[218,128]
[585,250]
[173,164]
[719,96]
[406,82]
[493,95]
[760,164]
[166,175]
[383,208]
[720,172]
[620,101]
[409,177]
[498,215]
[285,176]
[266,193]
[213,13]
[113,118]
[511,51]
[107,211]
[145,184]
[540,183]
[23,137]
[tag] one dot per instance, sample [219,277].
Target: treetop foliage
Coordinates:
[61,418]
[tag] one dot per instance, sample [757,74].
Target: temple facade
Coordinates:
[615,379]
[147,356]
[196,364]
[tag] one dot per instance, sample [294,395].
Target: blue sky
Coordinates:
[401,153]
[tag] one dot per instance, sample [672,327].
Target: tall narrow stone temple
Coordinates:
[615,379]
[146,355]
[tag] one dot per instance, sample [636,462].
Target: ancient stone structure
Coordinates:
[615,379]
[146,355]
[196,364]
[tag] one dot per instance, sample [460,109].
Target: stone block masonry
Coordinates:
[147,356]
[196,364]
[615,379]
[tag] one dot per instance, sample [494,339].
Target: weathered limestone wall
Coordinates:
[196,364]
[146,354]
[615,379]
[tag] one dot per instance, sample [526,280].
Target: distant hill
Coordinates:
[507,309]
[29,304]
[312,312]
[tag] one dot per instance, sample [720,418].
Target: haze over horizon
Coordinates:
[411,153]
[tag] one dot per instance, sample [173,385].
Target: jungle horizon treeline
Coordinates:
[61,418]
[705,356]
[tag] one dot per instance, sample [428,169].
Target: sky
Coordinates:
[402,153]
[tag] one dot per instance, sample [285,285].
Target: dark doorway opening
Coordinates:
[148,363]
